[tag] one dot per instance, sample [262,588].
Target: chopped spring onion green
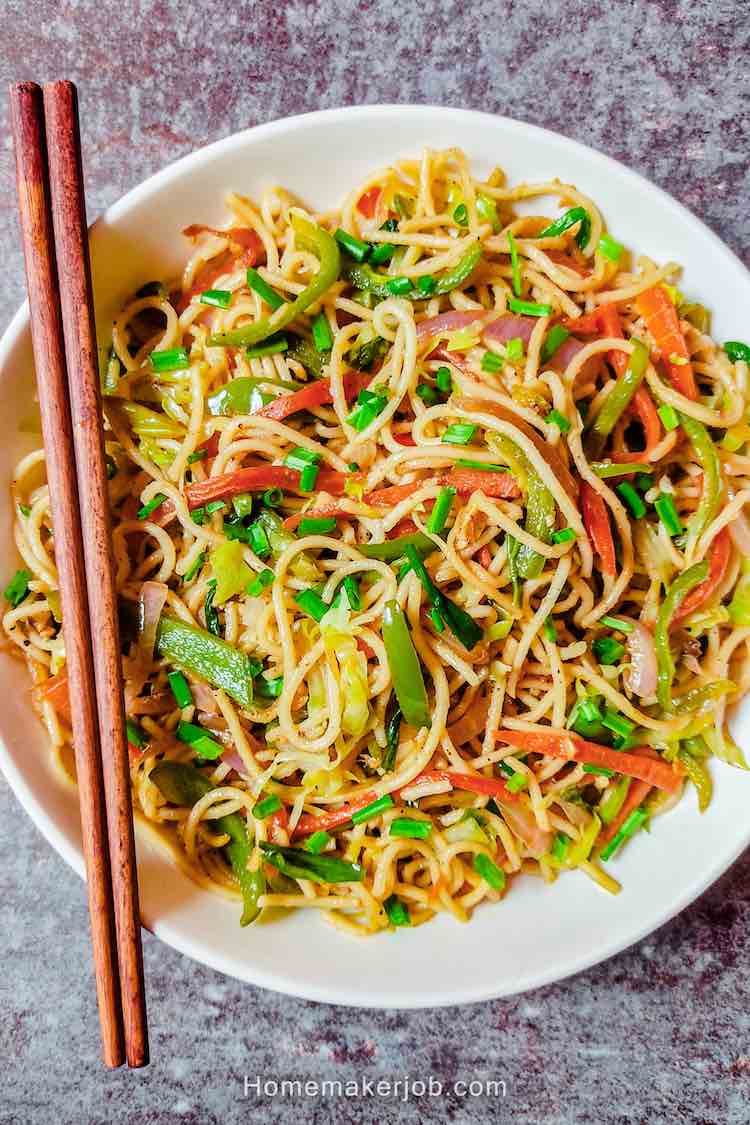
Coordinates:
[629,828]
[321,333]
[272,497]
[258,541]
[369,405]
[564,535]
[550,630]
[311,603]
[600,771]
[515,265]
[173,359]
[399,286]
[492,363]
[17,588]
[210,611]
[610,248]
[382,252]
[300,864]
[406,828]
[372,810]
[631,499]
[220,298]
[737,351]
[260,583]
[201,743]
[264,290]
[271,346]
[555,418]
[486,209]
[318,842]
[198,455]
[198,515]
[439,514]
[269,688]
[243,504]
[316,526]
[180,689]
[499,631]
[528,308]
[560,845]
[489,871]
[214,506]
[669,417]
[556,336]
[607,650]
[443,380]
[398,915]
[299,458]
[461,215]
[267,806]
[190,574]
[354,247]
[467,463]
[25,510]
[568,220]
[134,734]
[437,620]
[617,723]
[459,433]
[516,782]
[427,284]
[667,513]
[617,623]
[429,395]
[514,349]
[461,624]
[154,503]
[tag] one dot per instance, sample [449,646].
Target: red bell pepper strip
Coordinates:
[596,522]
[368,202]
[404,439]
[308,823]
[563,744]
[257,478]
[660,316]
[642,406]
[500,486]
[314,394]
[470,782]
[253,251]
[721,548]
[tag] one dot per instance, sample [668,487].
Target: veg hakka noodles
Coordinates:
[430,546]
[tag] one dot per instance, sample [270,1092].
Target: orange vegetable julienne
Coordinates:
[309,823]
[596,522]
[637,794]
[643,407]
[368,202]
[563,744]
[469,782]
[660,316]
[721,549]
[55,691]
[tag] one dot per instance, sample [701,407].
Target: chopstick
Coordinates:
[52,211]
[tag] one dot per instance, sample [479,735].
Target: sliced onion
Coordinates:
[150,604]
[523,823]
[204,698]
[233,759]
[449,322]
[739,530]
[641,678]
[510,327]
[565,353]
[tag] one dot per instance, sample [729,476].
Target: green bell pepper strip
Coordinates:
[279,539]
[613,801]
[408,682]
[305,352]
[208,657]
[184,785]
[698,773]
[697,698]
[621,395]
[393,549]
[461,624]
[665,665]
[393,717]
[236,396]
[363,276]
[708,458]
[566,221]
[299,864]
[324,246]
[540,506]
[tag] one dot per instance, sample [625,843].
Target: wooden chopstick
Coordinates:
[76,295]
[62,273]
[27,117]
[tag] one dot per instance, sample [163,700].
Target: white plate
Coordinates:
[537,934]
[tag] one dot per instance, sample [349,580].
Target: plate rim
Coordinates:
[247,972]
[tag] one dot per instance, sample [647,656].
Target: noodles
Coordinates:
[403,547]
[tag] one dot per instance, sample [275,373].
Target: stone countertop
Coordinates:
[656,1035]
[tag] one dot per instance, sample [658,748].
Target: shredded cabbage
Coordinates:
[340,643]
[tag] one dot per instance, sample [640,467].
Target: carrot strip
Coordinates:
[501,486]
[314,394]
[596,522]
[643,406]
[55,691]
[470,782]
[307,823]
[368,202]
[562,744]
[721,550]
[252,251]
[636,795]
[660,315]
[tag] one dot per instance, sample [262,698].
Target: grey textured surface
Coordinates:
[657,1035]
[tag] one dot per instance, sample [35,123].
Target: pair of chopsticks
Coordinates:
[58,276]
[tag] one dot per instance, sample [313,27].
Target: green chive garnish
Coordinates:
[514,349]
[196,737]
[311,603]
[257,538]
[382,252]
[601,771]
[667,513]
[198,455]
[354,247]
[373,810]
[316,526]
[529,308]
[555,418]
[556,336]
[194,568]
[221,298]
[260,583]
[407,828]
[515,265]
[397,913]
[629,828]
[272,346]
[264,290]
[560,845]
[618,724]
[467,463]
[308,478]
[180,689]
[316,843]
[426,285]
[443,380]
[490,872]
[617,623]
[610,248]
[173,359]
[550,629]
[439,514]
[399,286]
[564,535]
[631,499]
[492,363]
[459,433]
[669,417]
[135,735]
[299,458]
[154,503]
[17,588]
[214,506]
[267,806]
[428,394]
[321,333]
[568,220]
[607,650]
